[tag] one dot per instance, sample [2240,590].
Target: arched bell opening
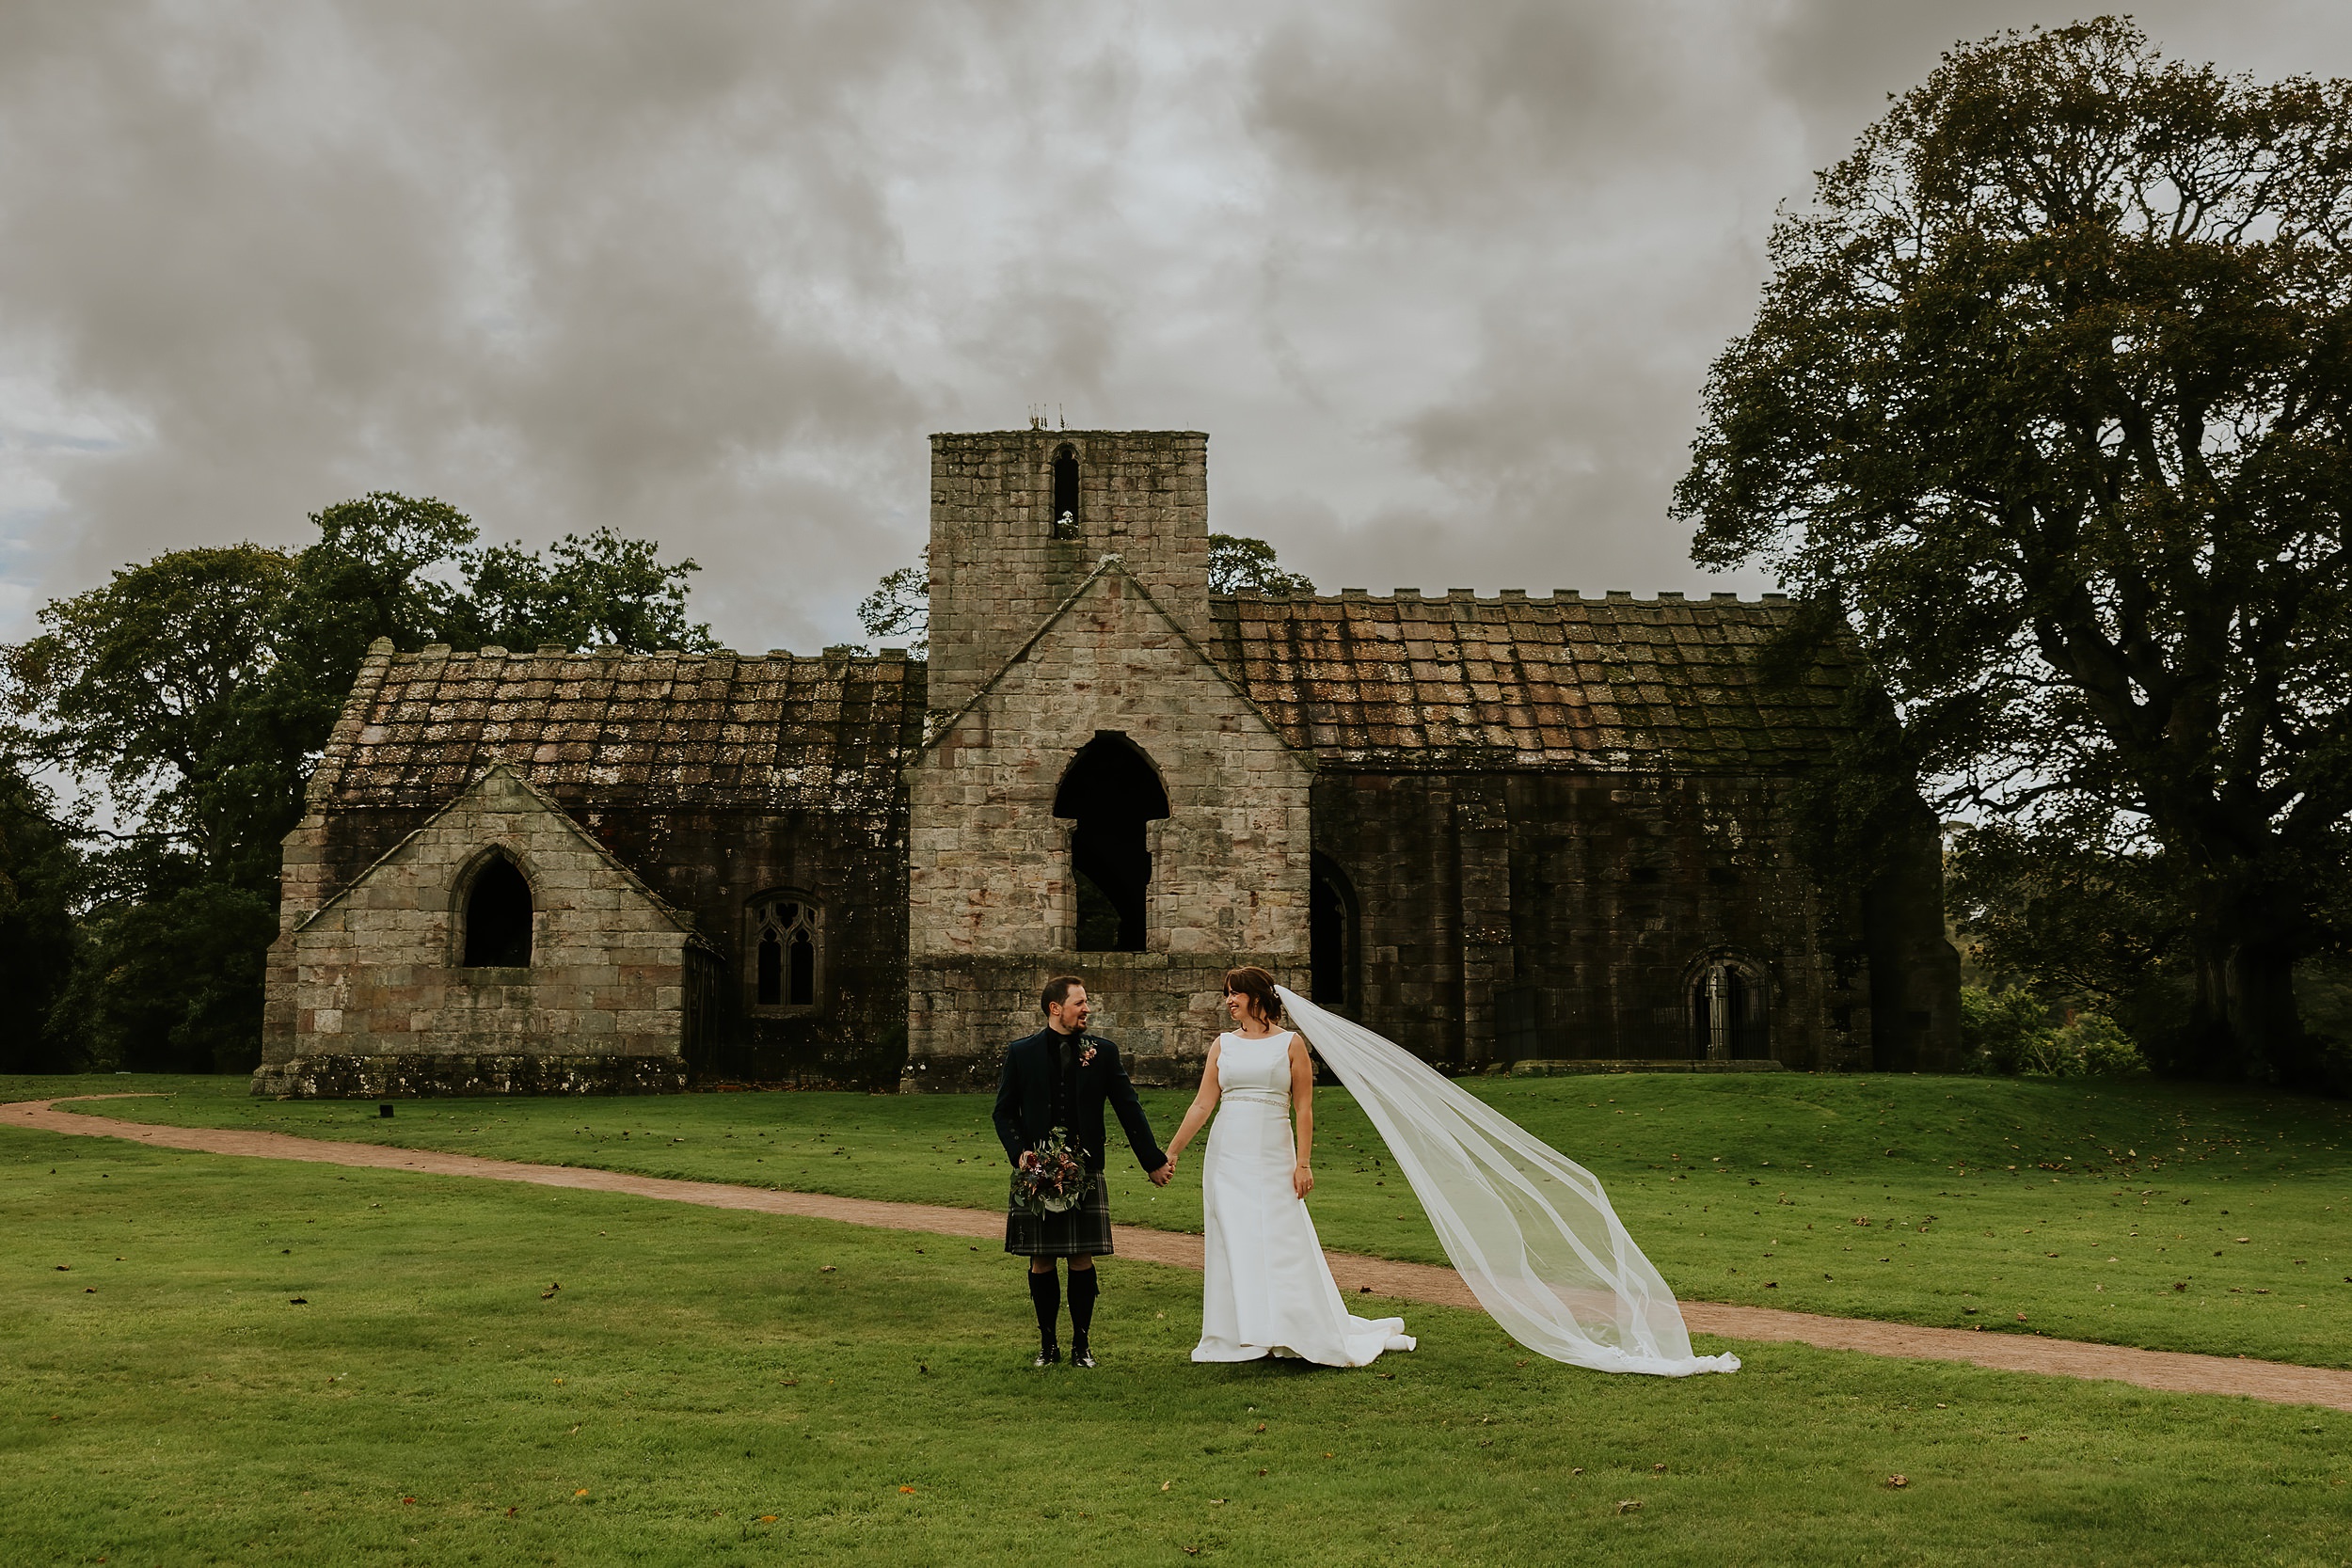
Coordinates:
[1109,791]
[498,910]
[1066,492]
[1331,935]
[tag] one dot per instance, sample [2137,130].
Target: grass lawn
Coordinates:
[2172,1216]
[712,1387]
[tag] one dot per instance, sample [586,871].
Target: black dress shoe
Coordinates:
[1049,1355]
[1081,1356]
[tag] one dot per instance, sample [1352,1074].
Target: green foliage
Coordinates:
[2047,405]
[158,683]
[1999,1032]
[200,686]
[2011,1033]
[2073,916]
[2093,1044]
[1238,564]
[900,606]
[598,592]
[41,879]
[171,980]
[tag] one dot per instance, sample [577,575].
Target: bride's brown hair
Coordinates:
[1258,986]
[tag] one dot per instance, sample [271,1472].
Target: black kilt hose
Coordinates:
[1028,1099]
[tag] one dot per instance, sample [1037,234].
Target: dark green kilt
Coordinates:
[1083,1231]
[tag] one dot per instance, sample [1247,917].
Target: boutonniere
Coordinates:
[1085,1054]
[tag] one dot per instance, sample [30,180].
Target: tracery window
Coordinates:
[787,949]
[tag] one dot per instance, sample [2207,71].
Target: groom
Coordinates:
[1059,1078]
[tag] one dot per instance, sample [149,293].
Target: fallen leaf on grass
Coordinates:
[1660,1468]
[549,1295]
[1260,1426]
[1578,1471]
[407,1499]
[827,1269]
[767,1519]
[581,1493]
[510,1513]
[1166,1485]
[906,1488]
[299,1301]
[1629,1505]
[1897,1483]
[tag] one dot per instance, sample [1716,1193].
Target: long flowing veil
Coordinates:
[1529,1229]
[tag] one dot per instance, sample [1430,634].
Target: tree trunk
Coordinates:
[2245,1021]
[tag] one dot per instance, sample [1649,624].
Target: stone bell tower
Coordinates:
[1020,517]
[1095,794]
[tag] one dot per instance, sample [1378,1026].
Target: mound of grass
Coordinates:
[205,1359]
[2128,1212]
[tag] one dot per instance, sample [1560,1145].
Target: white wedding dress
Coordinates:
[1267,1289]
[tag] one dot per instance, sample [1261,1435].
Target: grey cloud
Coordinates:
[1441,280]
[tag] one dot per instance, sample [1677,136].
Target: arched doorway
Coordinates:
[1728,1012]
[1332,936]
[1110,790]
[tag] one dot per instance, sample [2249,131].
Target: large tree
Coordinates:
[2047,408]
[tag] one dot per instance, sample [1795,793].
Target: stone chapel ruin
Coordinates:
[1542,832]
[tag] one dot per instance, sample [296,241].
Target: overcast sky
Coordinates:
[1441,280]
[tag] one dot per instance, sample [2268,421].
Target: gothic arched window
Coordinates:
[498,916]
[787,952]
[1728,1011]
[1066,492]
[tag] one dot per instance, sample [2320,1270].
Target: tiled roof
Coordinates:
[1458,681]
[776,731]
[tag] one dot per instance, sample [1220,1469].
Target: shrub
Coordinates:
[2093,1045]
[2009,1033]
[2001,1031]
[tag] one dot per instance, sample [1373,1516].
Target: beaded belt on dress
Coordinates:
[1260,1097]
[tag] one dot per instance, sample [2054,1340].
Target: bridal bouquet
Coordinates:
[1053,1179]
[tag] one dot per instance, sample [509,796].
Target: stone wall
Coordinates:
[368,991]
[992,899]
[1523,916]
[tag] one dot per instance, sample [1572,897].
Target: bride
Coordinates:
[1530,1231]
[1267,1289]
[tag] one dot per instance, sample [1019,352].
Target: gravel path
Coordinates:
[2170,1370]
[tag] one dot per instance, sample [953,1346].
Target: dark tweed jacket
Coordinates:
[1024,1099]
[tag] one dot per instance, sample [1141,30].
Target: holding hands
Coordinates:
[1160,1176]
